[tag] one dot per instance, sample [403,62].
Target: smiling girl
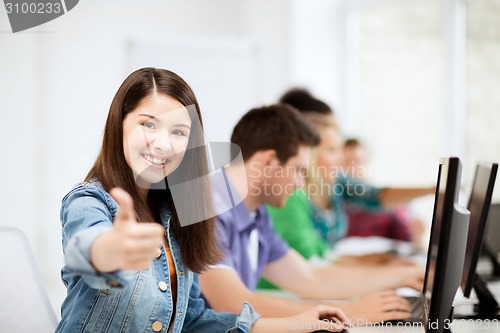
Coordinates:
[131,263]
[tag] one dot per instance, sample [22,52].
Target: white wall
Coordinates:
[317,50]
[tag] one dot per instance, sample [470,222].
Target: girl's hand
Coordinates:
[322,317]
[129,244]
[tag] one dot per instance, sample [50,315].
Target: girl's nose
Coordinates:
[161,141]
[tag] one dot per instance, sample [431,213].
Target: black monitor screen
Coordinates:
[446,247]
[493,229]
[479,204]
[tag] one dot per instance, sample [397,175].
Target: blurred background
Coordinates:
[415,79]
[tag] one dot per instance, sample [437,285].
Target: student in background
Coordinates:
[130,264]
[326,208]
[275,143]
[355,159]
[396,223]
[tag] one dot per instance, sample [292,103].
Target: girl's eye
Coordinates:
[178,132]
[148,125]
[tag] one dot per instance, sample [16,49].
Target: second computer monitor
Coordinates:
[479,204]
[446,249]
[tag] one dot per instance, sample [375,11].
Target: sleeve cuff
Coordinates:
[246,319]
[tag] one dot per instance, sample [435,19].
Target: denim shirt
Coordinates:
[128,301]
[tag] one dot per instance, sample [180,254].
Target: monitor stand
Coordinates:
[487,307]
[493,257]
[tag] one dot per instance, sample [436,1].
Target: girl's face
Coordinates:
[328,155]
[155,137]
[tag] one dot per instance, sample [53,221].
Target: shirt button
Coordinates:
[163,286]
[181,273]
[158,254]
[157,326]
[179,314]
[114,283]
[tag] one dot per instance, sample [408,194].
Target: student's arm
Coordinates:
[201,319]
[225,292]
[128,244]
[317,318]
[295,274]
[361,193]
[392,196]
[88,235]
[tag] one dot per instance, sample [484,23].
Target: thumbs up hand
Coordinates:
[128,244]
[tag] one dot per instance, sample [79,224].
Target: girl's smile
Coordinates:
[155,161]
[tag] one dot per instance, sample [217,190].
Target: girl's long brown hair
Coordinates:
[196,241]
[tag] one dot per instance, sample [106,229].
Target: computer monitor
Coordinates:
[491,245]
[446,251]
[479,205]
[493,227]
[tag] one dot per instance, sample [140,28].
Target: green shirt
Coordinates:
[312,232]
[294,223]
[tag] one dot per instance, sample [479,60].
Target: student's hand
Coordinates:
[417,229]
[412,277]
[322,317]
[129,244]
[381,306]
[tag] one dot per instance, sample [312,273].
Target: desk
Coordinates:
[460,302]
[458,326]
